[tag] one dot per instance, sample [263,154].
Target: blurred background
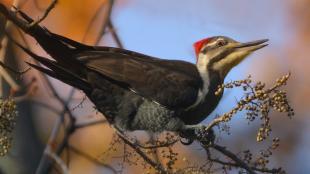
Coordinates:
[167,29]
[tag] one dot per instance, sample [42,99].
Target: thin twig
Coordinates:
[232,156]
[45,164]
[31,88]
[11,15]
[210,158]
[51,140]
[237,160]
[166,144]
[91,158]
[89,26]
[90,123]
[45,14]
[155,152]
[58,160]
[8,78]
[134,146]
[115,35]
[13,70]
[106,19]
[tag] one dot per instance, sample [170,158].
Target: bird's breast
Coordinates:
[206,101]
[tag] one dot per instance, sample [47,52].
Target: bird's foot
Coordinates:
[197,132]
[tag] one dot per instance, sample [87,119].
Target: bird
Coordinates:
[135,91]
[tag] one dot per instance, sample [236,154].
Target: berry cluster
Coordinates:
[8,115]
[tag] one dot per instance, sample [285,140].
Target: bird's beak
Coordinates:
[239,51]
[251,46]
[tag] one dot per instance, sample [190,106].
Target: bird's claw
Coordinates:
[186,141]
[205,137]
[187,137]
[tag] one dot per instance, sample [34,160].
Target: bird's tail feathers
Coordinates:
[56,70]
[64,76]
[60,48]
[65,67]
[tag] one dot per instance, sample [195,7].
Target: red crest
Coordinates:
[198,45]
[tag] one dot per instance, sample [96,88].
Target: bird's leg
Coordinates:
[197,132]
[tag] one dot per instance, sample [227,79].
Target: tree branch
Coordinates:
[233,157]
[105,20]
[92,159]
[237,161]
[45,14]
[58,160]
[134,146]
[90,123]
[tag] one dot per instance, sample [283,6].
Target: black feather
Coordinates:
[65,77]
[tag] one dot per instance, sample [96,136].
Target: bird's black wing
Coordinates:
[171,83]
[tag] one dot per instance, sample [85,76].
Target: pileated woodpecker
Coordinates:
[139,92]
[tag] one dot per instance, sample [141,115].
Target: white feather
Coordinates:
[202,63]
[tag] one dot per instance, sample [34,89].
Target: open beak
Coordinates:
[251,46]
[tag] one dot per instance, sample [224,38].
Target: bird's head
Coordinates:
[221,54]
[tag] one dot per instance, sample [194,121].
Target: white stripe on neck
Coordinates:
[202,63]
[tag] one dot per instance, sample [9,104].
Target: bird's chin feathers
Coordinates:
[225,65]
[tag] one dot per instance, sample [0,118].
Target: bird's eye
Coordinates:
[221,43]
